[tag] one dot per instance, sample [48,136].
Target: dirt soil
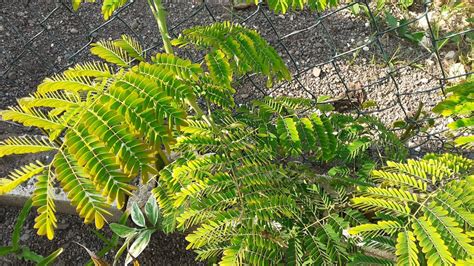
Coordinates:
[163,250]
[44,37]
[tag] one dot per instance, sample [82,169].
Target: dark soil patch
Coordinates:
[163,250]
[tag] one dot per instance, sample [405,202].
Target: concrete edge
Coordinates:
[62,206]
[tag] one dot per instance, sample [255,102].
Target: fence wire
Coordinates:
[335,57]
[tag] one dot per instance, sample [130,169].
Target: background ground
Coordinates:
[339,56]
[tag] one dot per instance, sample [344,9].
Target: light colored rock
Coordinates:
[425,42]
[423,81]
[457,70]
[451,55]
[423,23]
[316,72]
[25,237]
[20,194]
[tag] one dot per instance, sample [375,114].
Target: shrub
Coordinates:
[424,206]
[263,183]
[109,125]
[250,190]
[459,105]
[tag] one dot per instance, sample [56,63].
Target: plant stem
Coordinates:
[160,16]
[408,131]
[200,113]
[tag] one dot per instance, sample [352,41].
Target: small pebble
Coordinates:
[25,237]
[450,55]
[424,80]
[73,31]
[135,24]
[63,226]
[11,75]
[316,72]
[457,70]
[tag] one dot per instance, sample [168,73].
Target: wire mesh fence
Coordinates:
[359,61]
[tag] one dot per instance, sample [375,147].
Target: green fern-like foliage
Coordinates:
[110,122]
[106,128]
[228,41]
[303,127]
[247,189]
[426,206]
[459,105]
[283,6]
[108,6]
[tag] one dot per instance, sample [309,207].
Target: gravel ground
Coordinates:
[361,74]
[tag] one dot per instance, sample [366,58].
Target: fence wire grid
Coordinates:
[30,37]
